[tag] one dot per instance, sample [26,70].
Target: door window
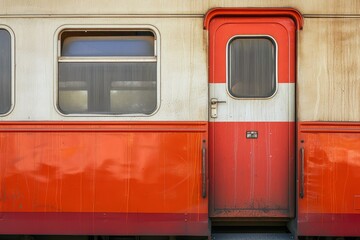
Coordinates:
[252,67]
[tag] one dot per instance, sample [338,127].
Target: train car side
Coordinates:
[180,118]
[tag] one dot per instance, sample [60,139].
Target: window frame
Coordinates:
[271,38]
[12,70]
[105,28]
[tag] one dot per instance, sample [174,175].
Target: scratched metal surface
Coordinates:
[169,7]
[330,164]
[119,178]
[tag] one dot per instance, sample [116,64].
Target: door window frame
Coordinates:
[276,65]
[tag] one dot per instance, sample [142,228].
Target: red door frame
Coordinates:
[252,15]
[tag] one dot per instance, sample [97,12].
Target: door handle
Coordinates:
[302,169]
[215,101]
[203,170]
[213,104]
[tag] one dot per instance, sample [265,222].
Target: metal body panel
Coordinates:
[252,177]
[252,141]
[330,203]
[136,7]
[280,108]
[137,173]
[183,72]
[103,223]
[329,86]
[62,176]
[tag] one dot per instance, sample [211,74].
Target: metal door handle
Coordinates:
[302,169]
[213,103]
[216,101]
[203,170]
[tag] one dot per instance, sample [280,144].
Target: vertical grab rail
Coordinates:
[203,170]
[302,167]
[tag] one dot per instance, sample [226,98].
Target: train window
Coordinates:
[252,67]
[5,70]
[107,72]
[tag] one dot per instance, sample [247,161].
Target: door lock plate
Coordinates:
[252,134]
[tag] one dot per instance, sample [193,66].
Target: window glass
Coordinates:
[252,67]
[103,44]
[5,71]
[122,81]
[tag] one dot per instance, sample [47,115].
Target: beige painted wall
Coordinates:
[169,6]
[328,83]
[183,67]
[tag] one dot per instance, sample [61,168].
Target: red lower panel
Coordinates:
[103,224]
[329,161]
[252,177]
[60,178]
[327,224]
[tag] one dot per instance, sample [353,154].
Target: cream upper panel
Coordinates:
[328,86]
[304,6]
[183,67]
[49,7]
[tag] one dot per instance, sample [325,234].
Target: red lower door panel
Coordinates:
[329,179]
[252,177]
[102,178]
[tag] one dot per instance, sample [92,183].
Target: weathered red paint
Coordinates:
[329,224]
[123,169]
[104,223]
[330,205]
[252,177]
[292,13]
[281,29]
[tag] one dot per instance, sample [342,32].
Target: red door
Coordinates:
[252,114]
